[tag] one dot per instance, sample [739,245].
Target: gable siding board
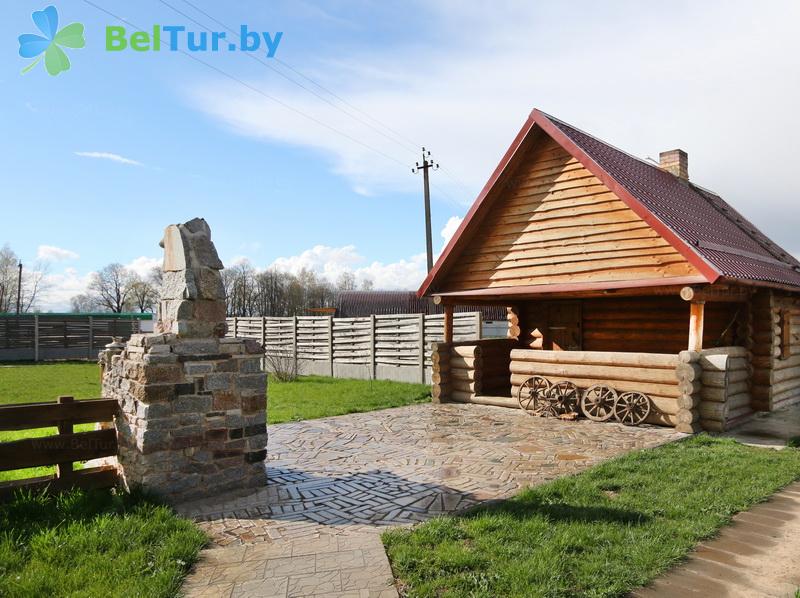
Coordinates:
[536,235]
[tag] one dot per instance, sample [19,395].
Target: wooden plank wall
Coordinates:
[62,332]
[393,339]
[633,324]
[557,223]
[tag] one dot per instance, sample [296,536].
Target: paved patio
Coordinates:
[335,484]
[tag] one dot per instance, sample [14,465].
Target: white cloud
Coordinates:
[61,287]
[450,228]
[51,253]
[142,265]
[646,77]
[109,156]
[331,262]
[322,259]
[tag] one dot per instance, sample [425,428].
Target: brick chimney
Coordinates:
[675,162]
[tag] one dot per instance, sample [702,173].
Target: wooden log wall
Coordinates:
[725,395]
[653,374]
[775,346]
[633,324]
[689,373]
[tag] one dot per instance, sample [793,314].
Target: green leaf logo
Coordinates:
[48,45]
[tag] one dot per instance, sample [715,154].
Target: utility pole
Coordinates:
[427,163]
[19,287]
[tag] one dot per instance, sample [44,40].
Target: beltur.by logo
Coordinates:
[48,45]
[176,37]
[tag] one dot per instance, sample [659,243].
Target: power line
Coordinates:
[259,91]
[286,105]
[399,139]
[412,145]
[288,78]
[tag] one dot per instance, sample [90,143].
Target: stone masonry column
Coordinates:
[192,419]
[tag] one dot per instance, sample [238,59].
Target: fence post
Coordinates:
[264,333]
[373,358]
[421,324]
[36,338]
[479,324]
[330,342]
[91,337]
[235,327]
[64,469]
[294,338]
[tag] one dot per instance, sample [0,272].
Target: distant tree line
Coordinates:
[271,292]
[249,292]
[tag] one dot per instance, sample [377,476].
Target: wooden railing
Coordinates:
[62,449]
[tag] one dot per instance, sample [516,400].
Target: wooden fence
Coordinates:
[62,449]
[45,336]
[392,347]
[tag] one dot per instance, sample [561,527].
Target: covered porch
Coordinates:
[686,347]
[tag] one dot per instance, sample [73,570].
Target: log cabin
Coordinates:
[617,271]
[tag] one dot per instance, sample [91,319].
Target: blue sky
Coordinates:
[720,80]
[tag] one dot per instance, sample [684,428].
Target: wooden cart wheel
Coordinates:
[632,408]
[530,393]
[565,395]
[597,402]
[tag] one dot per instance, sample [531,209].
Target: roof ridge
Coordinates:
[611,145]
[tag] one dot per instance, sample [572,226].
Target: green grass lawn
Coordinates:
[602,532]
[311,397]
[308,397]
[31,383]
[94,544]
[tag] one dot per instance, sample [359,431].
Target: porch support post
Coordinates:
[696,316]
[448,323]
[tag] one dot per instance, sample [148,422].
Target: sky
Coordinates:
[304,159]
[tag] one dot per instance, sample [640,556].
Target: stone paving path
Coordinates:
[757,555]
[335,484]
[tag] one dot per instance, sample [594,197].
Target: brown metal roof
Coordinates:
[705,229]
[731,244]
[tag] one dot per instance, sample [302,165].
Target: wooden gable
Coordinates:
[554,222]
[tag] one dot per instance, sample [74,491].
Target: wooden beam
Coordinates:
[448,323]
[716,293]
[696,317]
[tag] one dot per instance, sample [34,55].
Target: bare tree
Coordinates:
[346,281]
[111,287]
[367,284]
[83,303]
[32,284]
[143,293]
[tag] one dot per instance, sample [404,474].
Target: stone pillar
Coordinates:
[192,416]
